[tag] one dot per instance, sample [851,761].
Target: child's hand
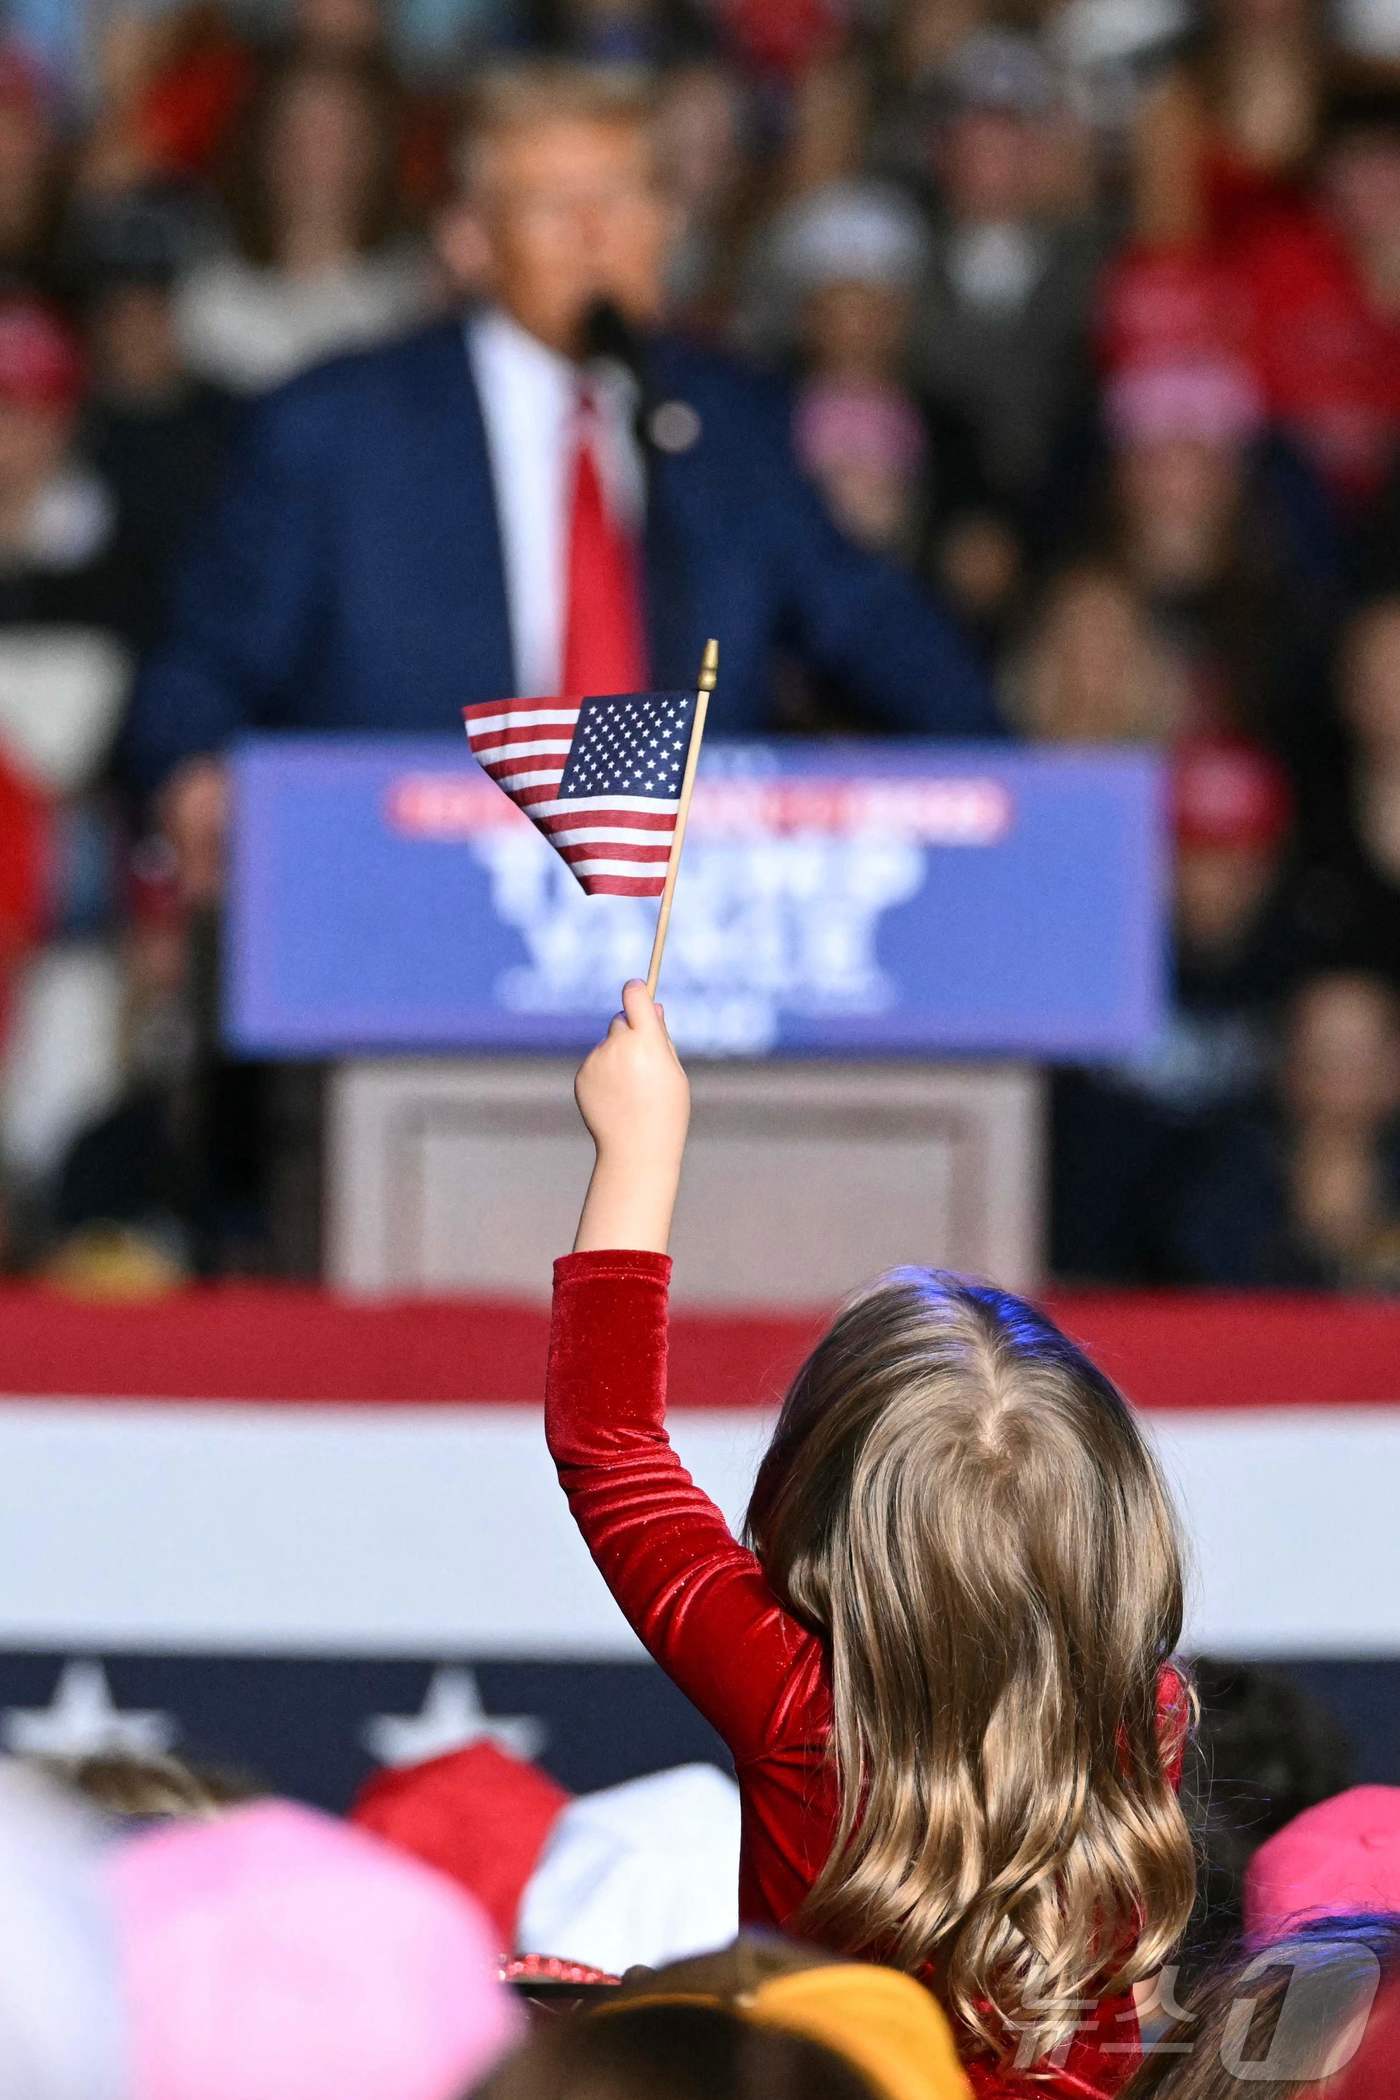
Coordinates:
[632,1090]
[634,1096]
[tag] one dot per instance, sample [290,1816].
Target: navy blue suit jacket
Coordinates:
[351,578]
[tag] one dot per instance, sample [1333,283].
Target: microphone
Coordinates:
[606,336]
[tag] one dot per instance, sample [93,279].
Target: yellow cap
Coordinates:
[882,2022]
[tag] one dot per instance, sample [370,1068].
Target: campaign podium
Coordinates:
[875,947]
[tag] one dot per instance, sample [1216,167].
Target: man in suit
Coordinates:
[485,509]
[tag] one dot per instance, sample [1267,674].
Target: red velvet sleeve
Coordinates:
[697,1600]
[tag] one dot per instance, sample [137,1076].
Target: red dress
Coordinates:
[701,1605]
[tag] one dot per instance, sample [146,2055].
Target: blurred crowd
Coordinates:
[1091,315]
[173,1931]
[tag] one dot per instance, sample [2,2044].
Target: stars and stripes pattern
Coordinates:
[601,777]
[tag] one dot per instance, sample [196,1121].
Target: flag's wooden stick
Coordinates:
[709,676]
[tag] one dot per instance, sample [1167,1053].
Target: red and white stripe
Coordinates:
[616,845]
[198,1473]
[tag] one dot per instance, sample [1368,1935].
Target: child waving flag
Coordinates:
[943,1662]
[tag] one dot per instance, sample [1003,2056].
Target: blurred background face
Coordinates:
[1090,660]
[34,440]
[1361,179]
[568,210]
[134,340]
[320,150]
[24,151]
[1179,497]
[339,25]
[1220,892]
[870,501]
[700,137]
[1371,692]
[991,164]
[1344,1053]
[1263,17]
[860,330]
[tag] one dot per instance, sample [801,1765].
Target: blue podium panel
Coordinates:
[843,899]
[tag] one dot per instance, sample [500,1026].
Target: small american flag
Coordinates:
[601,777]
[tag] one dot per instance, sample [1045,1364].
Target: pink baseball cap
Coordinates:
[1213,401]
[1343,1855]
[845,423]
[277,1951]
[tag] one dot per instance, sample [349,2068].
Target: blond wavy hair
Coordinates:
[966,1512]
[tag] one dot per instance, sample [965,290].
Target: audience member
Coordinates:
[29,176]
[61,556]
[63,2020]
[1224,139]
[188,74]
[1283,2017]
[151,1788]
[1128,1142]
[184,87]
[318,264]
[1353,811]
[673,2052]
[1308,1194]
[1321,288]
[902,472]
[67,615]
[706,120]
[1002,331]
[759,2020]
[1094,669]
[274,1950]
[1196,525]
[1265,1750]
[646,1871]
[154,432]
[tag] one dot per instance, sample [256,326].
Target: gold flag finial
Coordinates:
[709,668]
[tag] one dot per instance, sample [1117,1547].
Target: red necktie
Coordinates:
[604,640]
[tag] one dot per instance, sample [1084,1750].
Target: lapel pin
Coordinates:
[674,427]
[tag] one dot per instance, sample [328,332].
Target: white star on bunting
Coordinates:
[81,1721]
[452,1717]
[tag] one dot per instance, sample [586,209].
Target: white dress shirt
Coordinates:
[529,401]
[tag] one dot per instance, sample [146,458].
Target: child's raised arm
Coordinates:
[697,1599]
[634,1096]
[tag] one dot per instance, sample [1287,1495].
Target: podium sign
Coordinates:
[847,900]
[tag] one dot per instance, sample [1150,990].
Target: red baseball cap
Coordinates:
[40,363]
[478,1815]
[1227,792]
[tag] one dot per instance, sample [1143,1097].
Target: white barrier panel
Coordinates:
[418,1530]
